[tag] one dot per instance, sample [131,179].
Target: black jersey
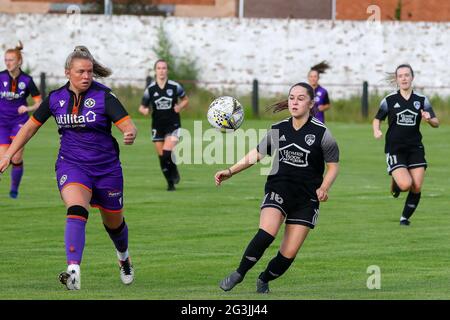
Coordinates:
[300,155]
[162,102]
[404,118]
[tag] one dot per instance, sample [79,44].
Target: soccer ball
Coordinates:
[225,113]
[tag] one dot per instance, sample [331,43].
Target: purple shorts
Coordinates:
[107,190]
[8,132]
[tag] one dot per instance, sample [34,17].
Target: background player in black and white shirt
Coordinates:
[165,99]
[302,146]
[405,154]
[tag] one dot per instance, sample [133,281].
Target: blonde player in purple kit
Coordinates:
[88,168]
[321,99]
[15,87]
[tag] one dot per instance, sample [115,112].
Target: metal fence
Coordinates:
[254,88]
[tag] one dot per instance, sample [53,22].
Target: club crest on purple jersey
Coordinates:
[89,103]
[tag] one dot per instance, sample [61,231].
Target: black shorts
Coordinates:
[406,158]
[297,208]
[161,132]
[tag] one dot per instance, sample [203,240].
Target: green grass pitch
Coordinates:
[183,243]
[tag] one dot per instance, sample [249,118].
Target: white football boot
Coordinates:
[72,277]
[126,270]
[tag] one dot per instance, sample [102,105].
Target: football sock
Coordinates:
[255,249]
[411,203]
[164,168]
[16,176]
[122,256]
[119,236]
[75,233]
[276,267]
[167,156]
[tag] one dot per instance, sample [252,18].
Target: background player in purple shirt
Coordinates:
[321,99]
[88,168]
[15,87]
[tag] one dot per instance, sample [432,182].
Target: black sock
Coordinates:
[411,203]
[164,168]
[255,249]
[171,166]
[276,267]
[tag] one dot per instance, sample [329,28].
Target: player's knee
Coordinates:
[78,211]
[289,253]
[17,160]
[16,163]
[405,185]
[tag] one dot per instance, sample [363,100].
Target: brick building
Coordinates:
[404,10]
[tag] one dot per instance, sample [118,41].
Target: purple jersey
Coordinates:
[321,98]
[84,124]
[13,94]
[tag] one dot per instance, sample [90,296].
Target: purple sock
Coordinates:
[16,176]
[75,238]
[119,236]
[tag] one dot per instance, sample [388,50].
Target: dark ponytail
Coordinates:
[321,67]
[282,105]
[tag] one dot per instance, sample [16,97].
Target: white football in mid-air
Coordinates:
[225,113]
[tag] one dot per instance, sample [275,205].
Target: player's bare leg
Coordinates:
[404,179]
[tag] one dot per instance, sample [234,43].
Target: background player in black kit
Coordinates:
[302,145]
[405,154]
[165,99]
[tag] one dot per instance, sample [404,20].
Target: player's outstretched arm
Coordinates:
[250,159]
[23,136]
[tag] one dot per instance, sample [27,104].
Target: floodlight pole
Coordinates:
[241,9]
[108,7]
[333,10]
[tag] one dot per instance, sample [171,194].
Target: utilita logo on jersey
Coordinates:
[8,95]
[75,121]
